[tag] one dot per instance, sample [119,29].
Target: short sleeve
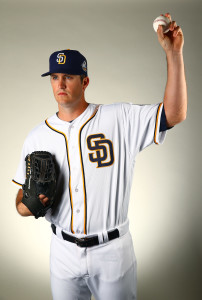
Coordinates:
[20,175]
[142,124]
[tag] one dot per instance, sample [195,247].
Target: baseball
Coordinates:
[161,20]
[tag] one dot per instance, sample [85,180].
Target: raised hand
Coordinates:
[173,40]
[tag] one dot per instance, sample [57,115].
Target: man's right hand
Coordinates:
[22,209]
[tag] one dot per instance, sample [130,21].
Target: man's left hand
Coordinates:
[173,40]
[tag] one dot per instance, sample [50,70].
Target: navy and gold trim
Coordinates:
[157,122]
[82,167]
[17,182]
[70,191]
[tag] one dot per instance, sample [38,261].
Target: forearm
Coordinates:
[21,208]
[175,97]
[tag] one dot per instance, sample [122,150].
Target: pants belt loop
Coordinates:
[101,238]
[59,233]
[105,236]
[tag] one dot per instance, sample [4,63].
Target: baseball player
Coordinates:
[95,147]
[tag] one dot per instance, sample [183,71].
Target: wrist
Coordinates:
[174,54]
[174,59]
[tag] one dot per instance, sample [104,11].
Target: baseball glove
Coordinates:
[40,179]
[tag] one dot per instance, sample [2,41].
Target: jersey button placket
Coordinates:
[76,181]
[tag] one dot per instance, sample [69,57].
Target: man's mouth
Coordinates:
[62,93]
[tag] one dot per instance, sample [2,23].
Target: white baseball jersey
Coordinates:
[95,154]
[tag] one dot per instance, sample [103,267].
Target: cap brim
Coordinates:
[45,74]
[65,72]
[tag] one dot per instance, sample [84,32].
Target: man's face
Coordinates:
[68,89]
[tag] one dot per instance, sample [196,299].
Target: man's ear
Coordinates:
[85,82]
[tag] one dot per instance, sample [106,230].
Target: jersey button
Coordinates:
[78,211]
[78,231]
[76,190]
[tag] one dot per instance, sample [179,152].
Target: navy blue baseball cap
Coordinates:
[68,62]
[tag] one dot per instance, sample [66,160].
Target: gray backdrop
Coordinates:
[126,63]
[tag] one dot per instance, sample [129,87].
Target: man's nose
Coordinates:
[61,83]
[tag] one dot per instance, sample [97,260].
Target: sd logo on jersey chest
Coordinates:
[103,152]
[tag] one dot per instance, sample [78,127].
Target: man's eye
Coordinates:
[54,77]
[68,77]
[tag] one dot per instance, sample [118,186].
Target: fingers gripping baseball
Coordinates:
[173,40]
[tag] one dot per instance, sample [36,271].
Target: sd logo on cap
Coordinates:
[67,62]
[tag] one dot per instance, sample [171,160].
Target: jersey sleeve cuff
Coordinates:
[159,136]
[163,125]
[16,183]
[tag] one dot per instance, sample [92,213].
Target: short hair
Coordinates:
[82,76]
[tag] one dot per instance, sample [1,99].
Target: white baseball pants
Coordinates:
[106,271]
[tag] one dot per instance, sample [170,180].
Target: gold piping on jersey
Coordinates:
[70,191]
[82,168]
[17,182]
[157,120]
